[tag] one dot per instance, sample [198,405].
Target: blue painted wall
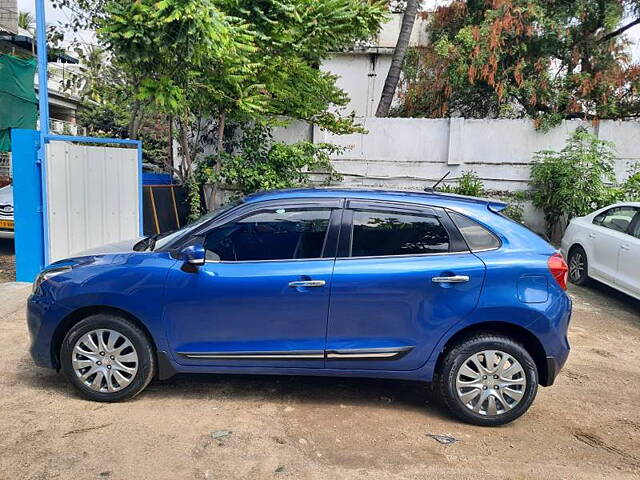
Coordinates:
[27,199]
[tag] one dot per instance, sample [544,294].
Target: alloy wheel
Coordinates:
[105,360]
[491,382]
[576,266]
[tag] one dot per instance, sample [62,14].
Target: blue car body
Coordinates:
[374,316]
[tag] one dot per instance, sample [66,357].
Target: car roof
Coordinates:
[430,198]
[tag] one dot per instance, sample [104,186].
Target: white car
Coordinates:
[6,212]
[605,246]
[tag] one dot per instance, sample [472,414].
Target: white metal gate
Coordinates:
[92,196]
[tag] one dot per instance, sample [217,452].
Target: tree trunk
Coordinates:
[134,120]
[391,83]
[183,138]
[170,141]
[215,188]
[222,119]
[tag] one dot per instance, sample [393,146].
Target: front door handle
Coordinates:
[625,247]
[308,283]
[452,279]
[592,235]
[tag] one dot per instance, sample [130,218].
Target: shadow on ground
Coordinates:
[321,391]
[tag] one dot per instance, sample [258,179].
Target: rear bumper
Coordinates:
[555,340]
[553,368]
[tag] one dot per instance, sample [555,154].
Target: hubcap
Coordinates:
[491,382]
[576,266]
[105,360]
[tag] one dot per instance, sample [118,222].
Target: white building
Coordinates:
[362,71]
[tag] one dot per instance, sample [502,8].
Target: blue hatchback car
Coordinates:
[417,286]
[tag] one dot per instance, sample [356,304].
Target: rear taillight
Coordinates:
[559,269]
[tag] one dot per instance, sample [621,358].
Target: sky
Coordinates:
[56,15]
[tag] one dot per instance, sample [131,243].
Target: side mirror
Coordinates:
[193,254]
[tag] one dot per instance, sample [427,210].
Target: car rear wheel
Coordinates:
[488,380]
[107,358]
[578,266]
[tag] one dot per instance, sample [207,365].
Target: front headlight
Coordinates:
[47,274]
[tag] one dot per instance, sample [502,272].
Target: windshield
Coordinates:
[169,239]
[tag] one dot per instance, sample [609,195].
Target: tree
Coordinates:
[393,76]
[26,21]
[213,65]
[529,58]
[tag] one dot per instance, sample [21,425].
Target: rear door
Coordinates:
[403,275]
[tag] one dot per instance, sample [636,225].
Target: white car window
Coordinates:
[618,218]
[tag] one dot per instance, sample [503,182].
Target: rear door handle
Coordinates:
[452,279]
[625,247]
[592,235]
[308,283]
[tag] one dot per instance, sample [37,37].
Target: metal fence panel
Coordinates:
[93,197]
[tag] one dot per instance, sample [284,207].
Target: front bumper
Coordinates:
[42,320]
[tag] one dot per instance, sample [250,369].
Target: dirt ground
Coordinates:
[7,261]
[585,426]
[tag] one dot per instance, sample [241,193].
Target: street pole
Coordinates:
[43,100]
[43,91]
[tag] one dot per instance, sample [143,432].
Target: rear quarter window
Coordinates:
[477,237]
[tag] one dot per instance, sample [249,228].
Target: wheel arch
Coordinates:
[77,315]
[520,334]
[573,246]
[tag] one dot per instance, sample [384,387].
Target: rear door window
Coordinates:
[378,233]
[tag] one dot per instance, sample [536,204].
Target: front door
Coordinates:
[400,281]
[262,297]
[605,240]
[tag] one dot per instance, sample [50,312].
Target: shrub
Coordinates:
[515,209]
[630,189]
[468,184]
[575,180]
[263,164]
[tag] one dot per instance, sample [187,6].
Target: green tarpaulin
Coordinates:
[18,101]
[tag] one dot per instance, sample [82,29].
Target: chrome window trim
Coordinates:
[408,255]
[331,259]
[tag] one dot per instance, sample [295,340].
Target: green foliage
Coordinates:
[630,188]
[468,184]
[515,207]
[264,164]
[194,199]
[574,181]
[553,60]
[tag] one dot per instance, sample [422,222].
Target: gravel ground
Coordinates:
[7,261]
[228,427]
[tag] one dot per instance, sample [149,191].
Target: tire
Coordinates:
[124,357]
[519,385]
[578,266]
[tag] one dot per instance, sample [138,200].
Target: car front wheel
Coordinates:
[578,266]
[488,380]
[107,358]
